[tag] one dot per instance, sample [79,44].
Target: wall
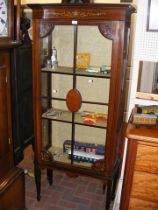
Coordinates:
[112,1]
[59,1]
[39,1]
[145,48]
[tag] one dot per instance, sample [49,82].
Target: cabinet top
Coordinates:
[111,12]
[142,133]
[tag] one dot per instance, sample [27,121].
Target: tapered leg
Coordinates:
[50,176]
[114,185]
[38,182]
[108,195]
[104,188]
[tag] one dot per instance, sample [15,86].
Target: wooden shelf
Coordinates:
[66,116]
[78,72]
[59,156]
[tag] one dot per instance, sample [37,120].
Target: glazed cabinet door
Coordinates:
[74,75]
[5,139]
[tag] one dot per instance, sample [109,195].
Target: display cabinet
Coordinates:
[21,100]
[21,96]
[79,72]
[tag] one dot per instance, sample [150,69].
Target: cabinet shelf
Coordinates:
[60,156]
[66,117]
[78,72]
[63,99]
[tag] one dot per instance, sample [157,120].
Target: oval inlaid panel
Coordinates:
[73,100]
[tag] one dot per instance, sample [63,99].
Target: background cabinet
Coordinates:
[21,94]
[141,171]
[11,178]
[5,134]
[21,99]
[78,109]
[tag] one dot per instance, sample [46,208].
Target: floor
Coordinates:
[66,193]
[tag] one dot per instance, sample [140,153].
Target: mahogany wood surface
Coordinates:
[73,100]
[6,153]
[18,8]
[12,195]
[11,180]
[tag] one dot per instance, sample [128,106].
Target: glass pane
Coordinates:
[93,73]
[63,41]
[93,51]
[59,50]
[94,89]
[75,138]
[44,51]
[61,84]
[57,54]
[90,134]
[46,135]
[59,138]
[89,145]
[92,114]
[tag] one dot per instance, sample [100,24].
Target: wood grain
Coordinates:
[145,186]
[138,204]
[147,159]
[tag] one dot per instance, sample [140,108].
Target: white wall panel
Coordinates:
[145,48]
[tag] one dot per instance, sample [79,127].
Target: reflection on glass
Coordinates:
[148,77]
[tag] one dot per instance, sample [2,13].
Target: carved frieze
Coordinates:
[75,13]
[46,156]
[46,29]
[107,30]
